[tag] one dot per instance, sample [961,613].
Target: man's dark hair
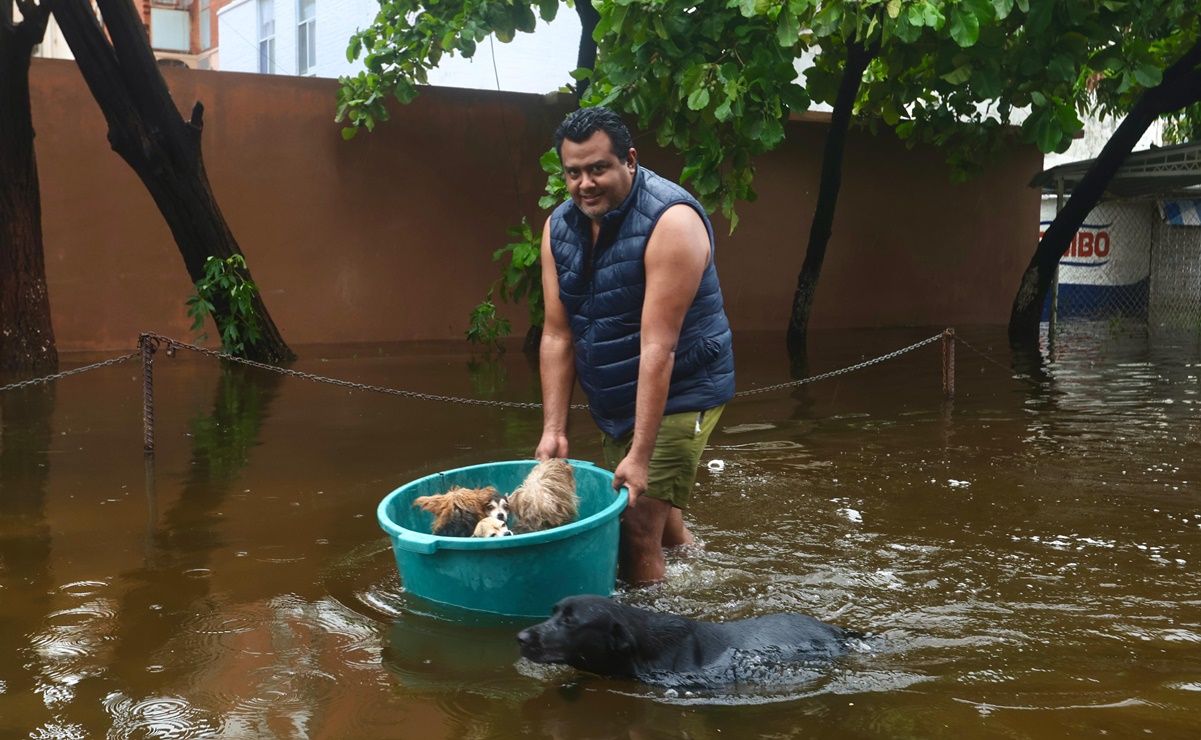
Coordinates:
[583,123]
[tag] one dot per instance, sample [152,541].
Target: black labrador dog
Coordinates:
[601,636]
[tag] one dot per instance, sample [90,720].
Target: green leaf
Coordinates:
[788,30]
[1042,12]
[524,19]
[932,16]
[583,73]
[890,114]
[1049,134]
[550,162]
[722,112]
[987,82]
[699,99]
[1061,68]
[1148,75]
[827,19]
[959,75]
[965,26]
[773,133]
[906,29]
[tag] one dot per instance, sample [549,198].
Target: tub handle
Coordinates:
[425,544]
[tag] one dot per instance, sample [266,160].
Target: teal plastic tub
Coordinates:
[521,575]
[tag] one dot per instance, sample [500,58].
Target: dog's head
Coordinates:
[491,527]
[587,632]
[497,508]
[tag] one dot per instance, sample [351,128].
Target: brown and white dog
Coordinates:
[496,520]
[545,499]
[461,512]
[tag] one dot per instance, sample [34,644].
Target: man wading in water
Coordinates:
[634,309]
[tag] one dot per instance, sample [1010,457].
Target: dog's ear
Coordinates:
[620,639]
[480,498]
[436,505]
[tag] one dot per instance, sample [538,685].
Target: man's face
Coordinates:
[597,180]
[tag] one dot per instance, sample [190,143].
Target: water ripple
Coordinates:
[167,717]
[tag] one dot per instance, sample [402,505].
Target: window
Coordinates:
[169,29]
[306,37]
[206,26]
[266,36]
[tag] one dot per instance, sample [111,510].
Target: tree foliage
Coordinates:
[716,80]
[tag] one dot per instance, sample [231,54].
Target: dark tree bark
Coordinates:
[1181,87]
[163,148]
[26,335]
[586,55]
[858,58]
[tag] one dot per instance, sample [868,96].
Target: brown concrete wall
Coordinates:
[389,237]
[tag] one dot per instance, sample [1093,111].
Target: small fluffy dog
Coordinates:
[460,512]
[545,499]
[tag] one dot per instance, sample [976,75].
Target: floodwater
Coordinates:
[1026,555]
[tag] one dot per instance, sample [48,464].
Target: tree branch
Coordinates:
[33,22]
[1184,66]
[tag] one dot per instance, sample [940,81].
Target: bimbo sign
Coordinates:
[1112,247]
[1090,246]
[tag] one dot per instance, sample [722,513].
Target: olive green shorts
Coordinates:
[677,453]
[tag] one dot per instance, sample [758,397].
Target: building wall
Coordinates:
[534,63]
[390,236]
[239,32]
[54,44]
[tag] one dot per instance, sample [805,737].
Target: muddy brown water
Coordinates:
[1026,554]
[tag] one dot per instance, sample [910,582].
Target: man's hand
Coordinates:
[634,475]
[551,445]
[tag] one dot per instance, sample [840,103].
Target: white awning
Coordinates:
[1159,170]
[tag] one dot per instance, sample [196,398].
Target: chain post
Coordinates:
[148,346]
[948,362]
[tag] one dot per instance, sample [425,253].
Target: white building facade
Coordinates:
[309,38]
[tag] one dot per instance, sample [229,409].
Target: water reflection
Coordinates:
[25,435]
[164,605]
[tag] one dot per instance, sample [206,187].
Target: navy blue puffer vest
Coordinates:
[602,286]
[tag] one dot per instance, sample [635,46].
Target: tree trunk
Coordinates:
[1181,86]
[858,58]
[26,335]
[163,148]
[586,54]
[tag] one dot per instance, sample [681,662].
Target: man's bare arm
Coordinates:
[675,260]
[556,361]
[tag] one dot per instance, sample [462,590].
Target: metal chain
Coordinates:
[172,344]
[965,342]
[1009,370]
[59,376]
[843,371]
